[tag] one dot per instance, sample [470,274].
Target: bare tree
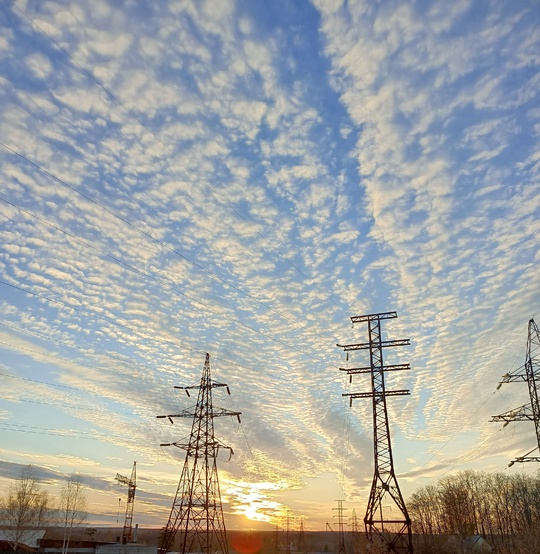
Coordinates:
[502,508]
[25,509]
[72,509]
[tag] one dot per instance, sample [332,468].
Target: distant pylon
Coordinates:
[341,529]
[197,511]
[302,549]
[127,533]
[394,531]
[530,373]
[356,541]
[287,531]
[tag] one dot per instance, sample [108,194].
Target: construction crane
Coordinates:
[131,483]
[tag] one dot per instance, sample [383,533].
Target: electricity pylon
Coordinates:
[287,531]
[197,509]
[127,533]
[356,541]
[530,373]
[341,529]
[395,531]
[302,548]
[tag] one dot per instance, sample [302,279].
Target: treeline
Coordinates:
[503,509]
[27,507]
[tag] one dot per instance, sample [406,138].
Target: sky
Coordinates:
[239,178]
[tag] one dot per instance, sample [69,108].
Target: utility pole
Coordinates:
[197,509]
[394,531]
[530,373]
[341,532]
[127,533]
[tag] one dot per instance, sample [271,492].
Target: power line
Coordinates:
[204,181]
[143,273]
[71,433]
[508,344]
[138,229]
[464,457]
[452,437]
[81,350]
[117,323]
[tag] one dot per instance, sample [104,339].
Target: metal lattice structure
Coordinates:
[394,531]
[302,548]
[341,527]
[530,373]
[197,511]
[356,539]
[127,533]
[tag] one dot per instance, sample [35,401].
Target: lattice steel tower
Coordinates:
[197,511]
[530,373]
[393,531]
[302,548]
[356,540]
[127,533]
[341,527]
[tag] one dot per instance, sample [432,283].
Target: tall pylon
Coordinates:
[341,527]
[197,510]
[530,373]
[127,532]
[393,531]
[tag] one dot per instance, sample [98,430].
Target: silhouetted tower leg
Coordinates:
[341,529]
[127,533]
[197,511]
[394,531]
[530,373]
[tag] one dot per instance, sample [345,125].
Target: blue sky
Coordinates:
[240,178]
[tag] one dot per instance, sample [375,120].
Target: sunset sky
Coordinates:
[239,178]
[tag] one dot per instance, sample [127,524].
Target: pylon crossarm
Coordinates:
[190,413]
[513,377]
[523,413]
[402,521]
[525,458]
[382,344]
[218,412]
[401,392]
[372,317]
[360,370]
[184,413]
[196,387]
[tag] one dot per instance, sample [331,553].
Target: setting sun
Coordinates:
[252,500]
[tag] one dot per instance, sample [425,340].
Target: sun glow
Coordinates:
[253,500]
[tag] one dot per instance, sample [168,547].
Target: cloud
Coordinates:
[241,184]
